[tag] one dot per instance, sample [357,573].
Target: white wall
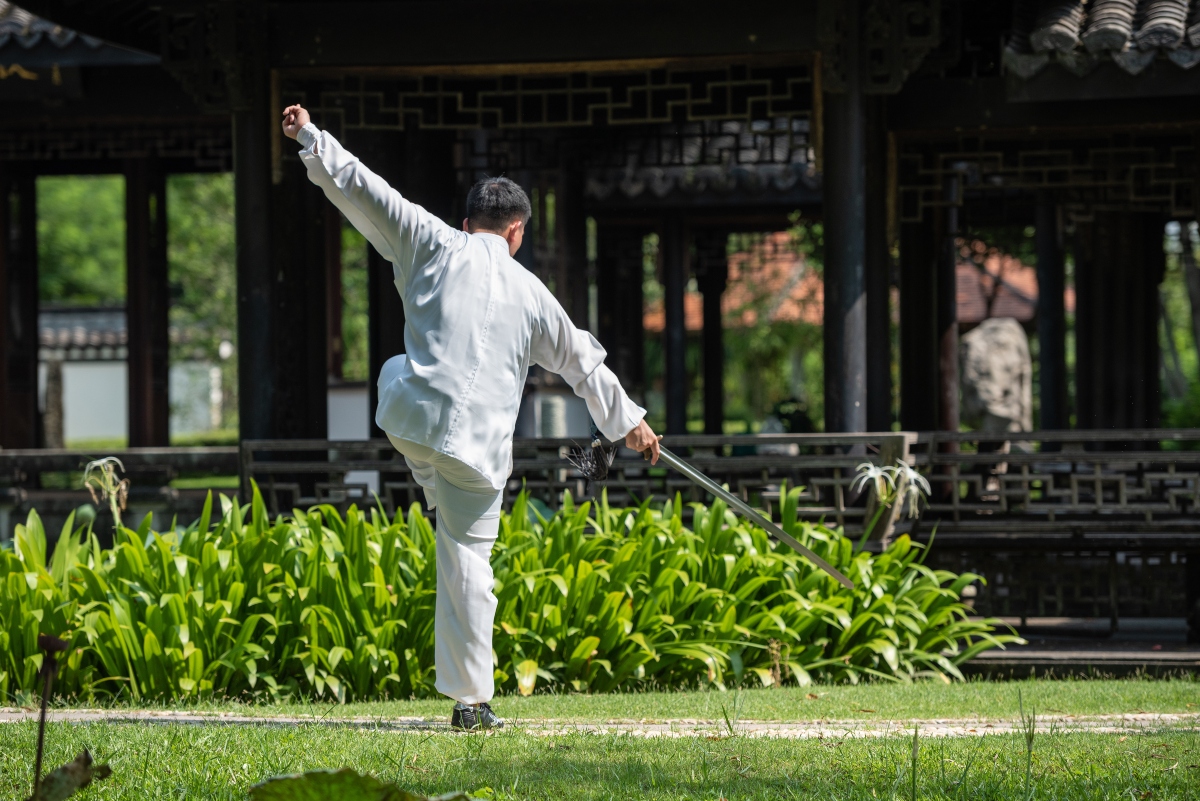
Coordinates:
[190,394]
[349,415]
[95,401]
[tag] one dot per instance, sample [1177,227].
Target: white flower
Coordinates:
[874,475]
[916,487]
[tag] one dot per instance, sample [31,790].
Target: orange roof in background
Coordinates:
[775,277]
[995,284]
[772,276]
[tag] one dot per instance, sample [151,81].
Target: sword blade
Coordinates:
[751,514]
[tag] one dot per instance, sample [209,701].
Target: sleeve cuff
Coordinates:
[308,135]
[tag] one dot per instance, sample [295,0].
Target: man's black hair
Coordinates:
[494,203]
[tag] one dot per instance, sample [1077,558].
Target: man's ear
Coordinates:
[466,227]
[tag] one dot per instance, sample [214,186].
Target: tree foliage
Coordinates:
[81,240]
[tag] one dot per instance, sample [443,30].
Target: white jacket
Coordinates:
[475,319]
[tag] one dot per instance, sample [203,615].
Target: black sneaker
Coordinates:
[474,718]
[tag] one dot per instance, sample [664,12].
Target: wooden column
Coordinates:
[877,261]
[844,183]
[1118,265]
[572,225]
[1051,318]
[385,325]
[947,312]
[147,303]
[333,293]
[918,328]
[256,279]
[1192,582]
[674,247]
[282,362]
[19,419]
[713,274]
[300,328]
[620,301]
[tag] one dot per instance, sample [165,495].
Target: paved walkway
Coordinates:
[822,729]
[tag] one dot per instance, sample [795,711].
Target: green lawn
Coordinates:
[222,762]
[923,700]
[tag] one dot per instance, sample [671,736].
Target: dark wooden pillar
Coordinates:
[572,245]
[333,292]
[1051,318]
[620,301]
[19,420]
[877,269]
[674,247]
[947,311]
[282,362]
[300,328]
[844,184]
[257,400]
[147,302]
[1192,582]
[713,274]
[385,324]
[918,327]
[1118,265]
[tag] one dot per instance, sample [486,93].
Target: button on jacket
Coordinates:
[475,320]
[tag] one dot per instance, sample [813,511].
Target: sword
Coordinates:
[750,514]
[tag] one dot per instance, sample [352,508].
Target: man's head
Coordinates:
[498,206]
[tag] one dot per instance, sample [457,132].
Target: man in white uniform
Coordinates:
[475,320]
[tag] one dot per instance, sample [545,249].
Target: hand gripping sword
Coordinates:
[750,514]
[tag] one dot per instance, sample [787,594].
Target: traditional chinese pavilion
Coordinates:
[899,123]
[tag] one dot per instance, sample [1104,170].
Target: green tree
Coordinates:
[355,353]
[202,258]
[81,239]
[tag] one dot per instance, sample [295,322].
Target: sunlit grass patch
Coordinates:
[160,762]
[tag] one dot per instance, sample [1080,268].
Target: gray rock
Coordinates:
[996,377]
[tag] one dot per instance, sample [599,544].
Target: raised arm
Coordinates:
[403,232]
[575,355]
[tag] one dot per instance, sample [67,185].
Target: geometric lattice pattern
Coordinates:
[1051,484]
[204,147]
[299,473]
[1153,171]
[537,100]
[1126,485]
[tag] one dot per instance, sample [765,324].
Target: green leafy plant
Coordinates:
[337,785]
[593,598]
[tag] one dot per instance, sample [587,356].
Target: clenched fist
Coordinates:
[643,440]
[294,118]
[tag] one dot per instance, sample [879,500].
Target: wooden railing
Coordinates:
[1045,485]
[297,473]
[50,482]
[1074,483]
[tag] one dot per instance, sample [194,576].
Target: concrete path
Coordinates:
[821,729]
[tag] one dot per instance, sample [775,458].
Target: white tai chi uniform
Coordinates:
[475,320]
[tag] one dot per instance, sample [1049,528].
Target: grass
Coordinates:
[208,482]
[877,701]
[222,762]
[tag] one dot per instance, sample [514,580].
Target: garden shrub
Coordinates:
[594,598]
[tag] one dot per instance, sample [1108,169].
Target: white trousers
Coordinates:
[468,520]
